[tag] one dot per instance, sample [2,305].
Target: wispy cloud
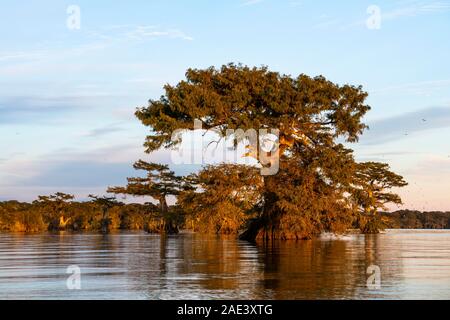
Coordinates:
[417,88]
[432,165]
[384,156]
[44,109]
[21,55]
[416,8]
[295,3]
[246,3]
[32,60]
[105,130]
[401,126]
[402,9]
[74,171]
[120,33]
[94,40]
[327,23]
[36,109]
[153,32]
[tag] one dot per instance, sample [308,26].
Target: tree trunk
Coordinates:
[163,205]
[269,226]
[265,226]
[168,226]
[105,224]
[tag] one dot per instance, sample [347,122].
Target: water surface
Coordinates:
[414,264]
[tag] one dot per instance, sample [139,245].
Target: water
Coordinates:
[415,264]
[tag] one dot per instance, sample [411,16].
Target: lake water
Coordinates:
[414,264]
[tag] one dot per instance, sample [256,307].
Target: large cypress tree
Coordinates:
[309,194]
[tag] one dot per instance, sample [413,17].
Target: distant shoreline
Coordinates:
[409,219]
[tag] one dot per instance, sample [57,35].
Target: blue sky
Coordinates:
[67,96]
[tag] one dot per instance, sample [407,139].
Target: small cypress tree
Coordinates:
[105,203]
[55,209]
[371,192]
[158,183]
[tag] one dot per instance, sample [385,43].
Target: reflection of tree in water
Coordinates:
[387,256]
[192,266]
[333,269]
[310,269]
[198,266]
[222,265]
[150,265]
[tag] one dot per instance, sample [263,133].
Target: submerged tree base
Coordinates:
[371,224]
[159,225]
[260,229]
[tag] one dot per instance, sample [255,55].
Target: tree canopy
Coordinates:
[305,110]
[373,183]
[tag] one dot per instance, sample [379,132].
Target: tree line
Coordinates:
[413,219]
[60,212]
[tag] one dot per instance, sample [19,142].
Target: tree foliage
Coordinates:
[41,216]
[306,110]
[105,203]
[222,198]
[373,183]
[158,183]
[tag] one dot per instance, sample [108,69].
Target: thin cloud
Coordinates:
[408,10]
[21,55]
[401,126]
[103,131]
[433,164]
[153,32]
[295,3]
[25,109]
[416,9]
[327,23]
[43,109]
[96,40]
[417,88]
[54,53]
[250,2]
[81,173]
[383,156]
[392,153]
[120,33]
